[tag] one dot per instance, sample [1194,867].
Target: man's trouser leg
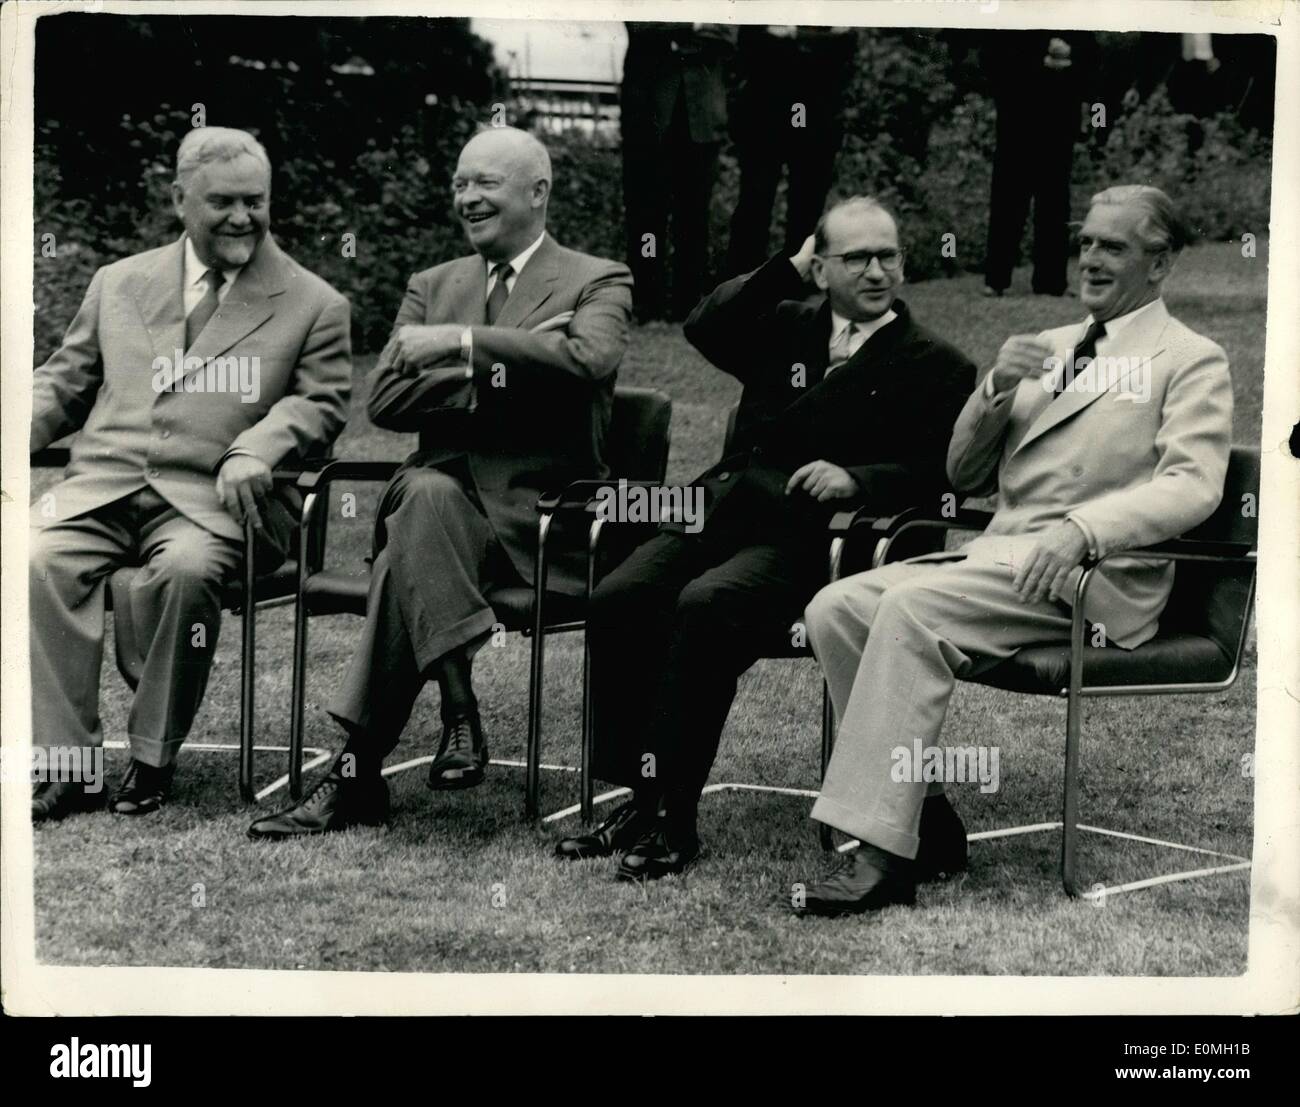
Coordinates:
[169,620]
[892,643]
[1009,193]
[426,599]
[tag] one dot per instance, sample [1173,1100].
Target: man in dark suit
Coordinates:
[846,402]
[189,373]
[504,362]
[787,114]
[674,119]
[1038,86]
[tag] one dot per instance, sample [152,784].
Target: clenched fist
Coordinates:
[823,481]
[243,484]
[1021,356]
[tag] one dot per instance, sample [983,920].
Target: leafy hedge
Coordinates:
[911,137]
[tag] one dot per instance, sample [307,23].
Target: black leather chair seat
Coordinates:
[1166,659]
[330,592]
[269,586]
[514,607]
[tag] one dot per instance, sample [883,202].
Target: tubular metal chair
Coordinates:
[1198,648]
[637,449]
[252,592]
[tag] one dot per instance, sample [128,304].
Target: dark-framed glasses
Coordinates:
[857,262]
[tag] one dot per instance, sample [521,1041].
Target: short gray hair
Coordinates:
[205,144]
[868,202]
[1162,226]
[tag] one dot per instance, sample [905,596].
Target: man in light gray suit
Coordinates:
[504,362]
[1107,435]
[189,373]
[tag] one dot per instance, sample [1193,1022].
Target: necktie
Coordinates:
[841,347]
[205,308]
[1085,350]
[500,293]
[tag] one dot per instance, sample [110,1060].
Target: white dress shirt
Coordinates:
[839,350]
[516,263]
[195,286]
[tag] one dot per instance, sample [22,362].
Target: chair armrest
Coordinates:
[581,495]
[347,470]
[52,457]
[1183,549]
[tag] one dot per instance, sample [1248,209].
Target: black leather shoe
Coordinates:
[659,852]
[619,832]
[462,756]
[336,803]
[143,790]
[867,879]
[943,850]
[56,799]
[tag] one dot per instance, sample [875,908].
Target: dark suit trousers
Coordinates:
[667,175]
[1032,162]
[167,616]
[427,598]
[671,631]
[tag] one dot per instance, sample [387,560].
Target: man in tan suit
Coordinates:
[189,373]
[504,362]
[1107,435]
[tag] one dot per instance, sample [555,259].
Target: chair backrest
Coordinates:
[639,434]
[1209,599]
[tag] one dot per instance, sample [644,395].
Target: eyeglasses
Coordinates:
[858,262]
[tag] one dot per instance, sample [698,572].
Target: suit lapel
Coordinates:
[818,343]
[161,303]
[464,298]
[247,305]
[532,287]
[1142,341]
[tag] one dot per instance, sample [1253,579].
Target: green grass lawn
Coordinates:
[460,882]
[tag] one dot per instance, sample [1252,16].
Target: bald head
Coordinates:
[500,191]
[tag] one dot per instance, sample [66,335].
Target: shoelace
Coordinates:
[461,737]
[321,792]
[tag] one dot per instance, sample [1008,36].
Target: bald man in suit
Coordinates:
[1107,435]
[189,373]
[504,361]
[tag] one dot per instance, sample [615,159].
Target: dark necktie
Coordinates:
[1085,350]
[500,293]
[205,308]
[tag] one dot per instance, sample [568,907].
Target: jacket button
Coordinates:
[166,434]
[153,472]
[724,476]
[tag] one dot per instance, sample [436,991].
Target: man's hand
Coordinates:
[416,347]
[823,481]
[802,261]
[1046,570]
[1021,356]
[243,484]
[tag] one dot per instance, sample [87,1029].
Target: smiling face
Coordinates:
[226,209]
[499,193]
[1117,273]
[855,229]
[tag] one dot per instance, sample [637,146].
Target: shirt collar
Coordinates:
[194,267]
[518,262]
[865,329]
[1122,322]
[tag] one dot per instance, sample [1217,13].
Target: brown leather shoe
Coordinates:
[143,790]
[866,879]
[462,755]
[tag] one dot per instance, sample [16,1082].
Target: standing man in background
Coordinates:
[674,121]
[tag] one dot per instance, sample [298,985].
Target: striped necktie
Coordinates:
[500,291]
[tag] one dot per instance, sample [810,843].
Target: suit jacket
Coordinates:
[105,383]
[1131,470]
[884,415]
[535,414]
[666,61]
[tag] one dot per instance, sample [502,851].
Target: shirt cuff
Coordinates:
[1087,533]
[467,350]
